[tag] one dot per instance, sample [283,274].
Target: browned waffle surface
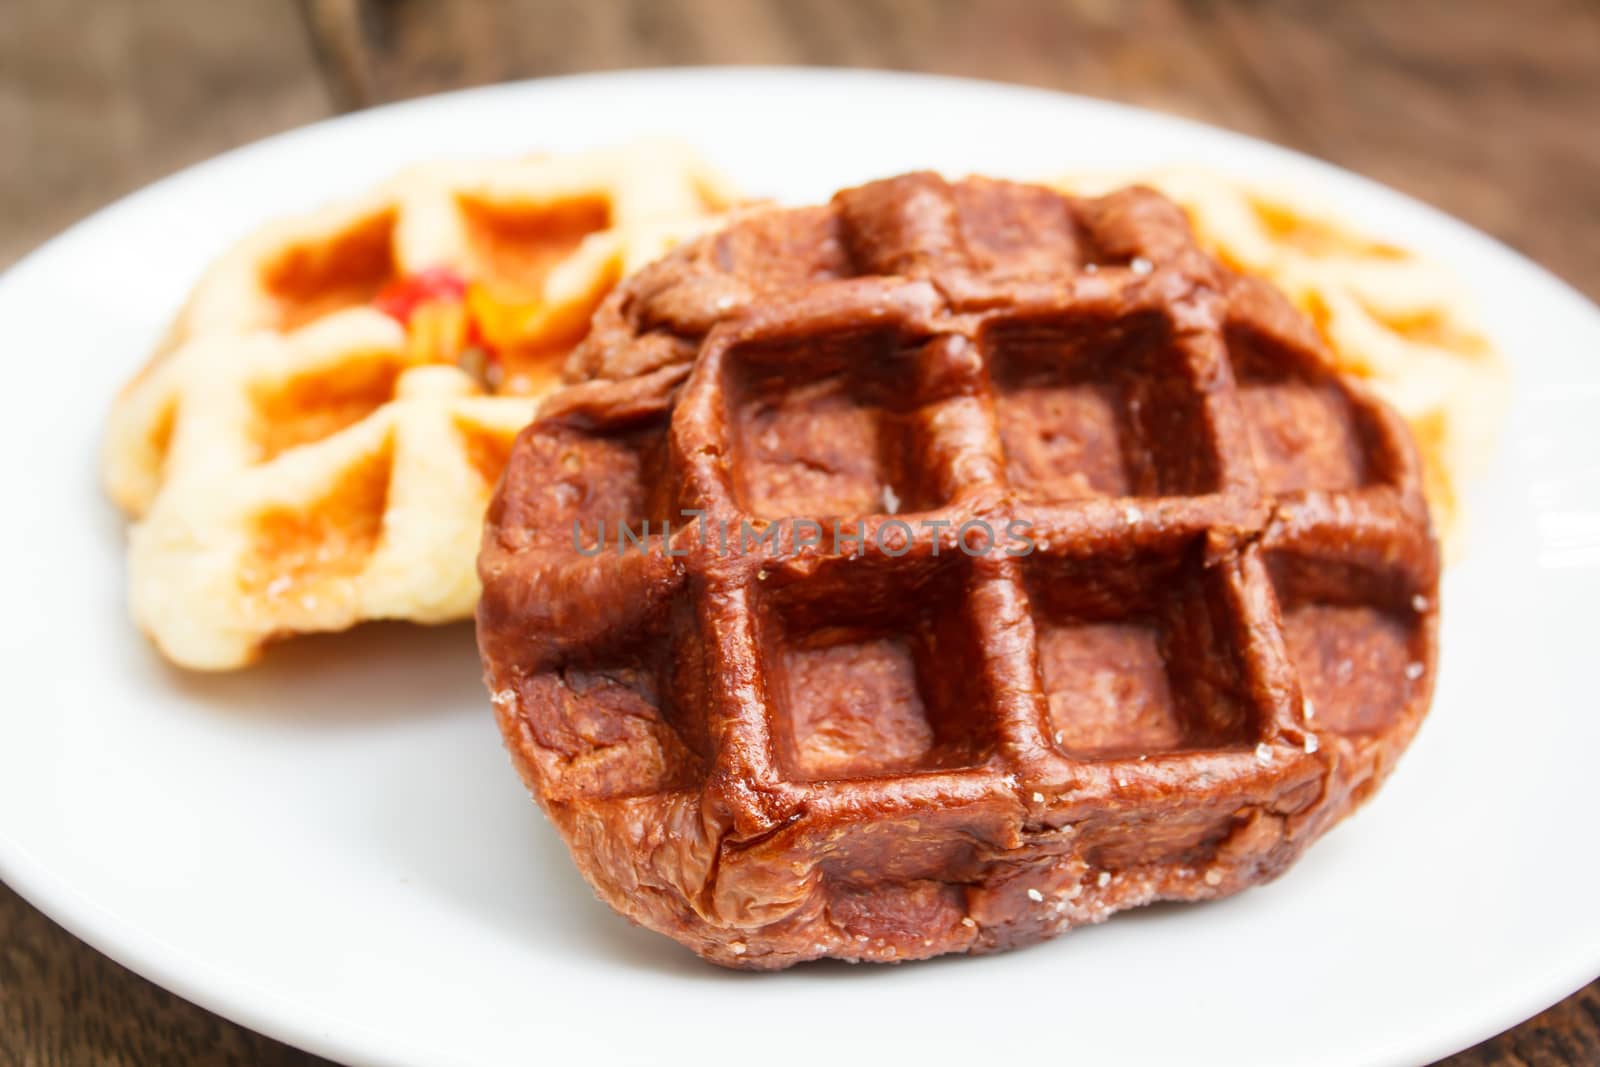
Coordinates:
[1009,563]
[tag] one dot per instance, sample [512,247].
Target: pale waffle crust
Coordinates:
[298,461]
[1399,321]
[891,749]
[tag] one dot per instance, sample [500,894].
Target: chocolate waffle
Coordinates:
[1010,563]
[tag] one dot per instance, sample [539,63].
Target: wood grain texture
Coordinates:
[1486,109]
[97,99]
[1491,112]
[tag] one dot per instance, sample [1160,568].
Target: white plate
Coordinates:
[334,849]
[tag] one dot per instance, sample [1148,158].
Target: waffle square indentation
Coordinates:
[1304,432]
[1090,406]
[886,680]
[1137,656]
[822,432]
[1353,638]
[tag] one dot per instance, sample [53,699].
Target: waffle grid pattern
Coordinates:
[928,363]
[1393,319]
[299,460]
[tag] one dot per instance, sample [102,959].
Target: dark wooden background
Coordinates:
[1489,109]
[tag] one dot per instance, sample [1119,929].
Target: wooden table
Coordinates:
[1489,110]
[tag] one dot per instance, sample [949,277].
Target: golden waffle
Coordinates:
[316,440]
[1399,321]
[824,712]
